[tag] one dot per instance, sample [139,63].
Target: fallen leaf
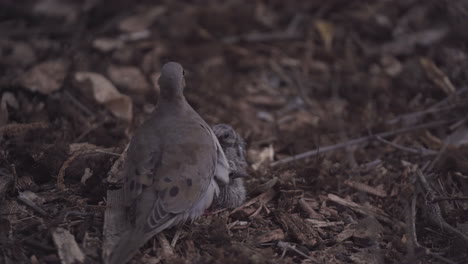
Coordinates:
[326,31]
[141,21]
[437,76]
[261,157]
[129,78]
[107,44]
[46,77]
[8,99]
[58,8]
[104,92]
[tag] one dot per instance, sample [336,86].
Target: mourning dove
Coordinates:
[233,194]
[174,167]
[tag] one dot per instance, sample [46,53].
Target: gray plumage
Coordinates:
[175,166]
[233,194]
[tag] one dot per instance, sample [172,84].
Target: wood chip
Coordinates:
[366,188]
[365,210]
[298,228]
[68,250]
[309,210]
[273,235]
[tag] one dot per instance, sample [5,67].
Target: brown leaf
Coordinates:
[46,77]
[129,78]
[105,93]
[141,21]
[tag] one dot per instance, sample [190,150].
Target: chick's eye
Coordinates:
[183,72]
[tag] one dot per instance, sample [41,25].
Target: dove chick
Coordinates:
[173,170]
[233,194]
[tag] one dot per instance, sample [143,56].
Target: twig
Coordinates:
[75,101]
[439,199]
[421,151]
[438,107]
[433,209]
[67,163]
[356,141]
[366,188]
[372,212]
[288,34]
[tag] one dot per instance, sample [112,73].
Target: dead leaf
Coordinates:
[141,21]
[391,65]
[326,31]
[8,100]
[437,76]
[46,77]
[129,78]
[105,93]
[261,157]
[58,8]
[107,44]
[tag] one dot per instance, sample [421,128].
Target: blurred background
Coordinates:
[354,114]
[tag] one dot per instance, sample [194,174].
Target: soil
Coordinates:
[373,92]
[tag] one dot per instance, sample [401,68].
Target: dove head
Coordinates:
[172,81]
[233,145]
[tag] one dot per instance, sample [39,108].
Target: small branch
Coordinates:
[356,141]
[421,151]
[433,209]
[455,198]
[371,212]
[288,34]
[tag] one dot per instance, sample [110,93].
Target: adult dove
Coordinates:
[173,170]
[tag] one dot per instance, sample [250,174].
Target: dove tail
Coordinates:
[132,240]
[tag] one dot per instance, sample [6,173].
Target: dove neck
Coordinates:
[171,101]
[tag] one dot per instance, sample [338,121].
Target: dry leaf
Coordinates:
[8,99]
[141,21]
[46,77]
[437,76]
[58,8]
[261,157]
[105,93]
[326,31]
[129,78]
[391,65]
[107,44]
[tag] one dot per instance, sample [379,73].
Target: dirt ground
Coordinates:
[354,114]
